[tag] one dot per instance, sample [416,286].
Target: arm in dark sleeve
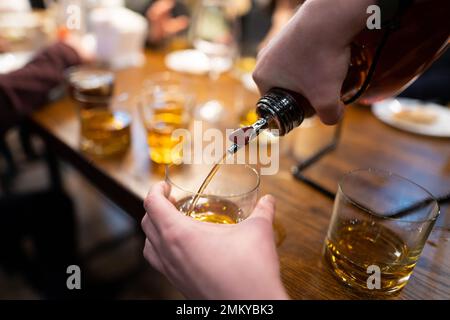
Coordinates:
[26,89]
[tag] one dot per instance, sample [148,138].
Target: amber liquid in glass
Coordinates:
[159,133]
[104,132]
[210,209]
[354,246]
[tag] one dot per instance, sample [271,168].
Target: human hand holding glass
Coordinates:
[245,262]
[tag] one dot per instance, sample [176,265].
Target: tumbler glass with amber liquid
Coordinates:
[104,125]
[104,120]
[379,226]
[223,201]
[165,106]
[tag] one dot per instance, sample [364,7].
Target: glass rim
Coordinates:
[171,82]
[194,193]
[73,69]
[391,174]
[86,98]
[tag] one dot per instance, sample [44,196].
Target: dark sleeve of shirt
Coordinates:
[26,89]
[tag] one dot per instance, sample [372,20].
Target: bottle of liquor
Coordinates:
[384,61]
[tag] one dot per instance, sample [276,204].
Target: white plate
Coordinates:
[194,62]
[385,111]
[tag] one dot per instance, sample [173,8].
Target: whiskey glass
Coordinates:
[105,124]
[105,120]
[165,106]
[379,226]
[229,198]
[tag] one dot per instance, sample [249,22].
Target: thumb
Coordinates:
[265,209]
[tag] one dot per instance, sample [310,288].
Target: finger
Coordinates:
[161,189]
[160,210]
[150,230]
[173,200]
[326,99]
[330,113]
[265,209]
[152,256]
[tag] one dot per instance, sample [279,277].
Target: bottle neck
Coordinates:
[283,109]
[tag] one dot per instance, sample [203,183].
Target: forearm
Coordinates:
[27,88]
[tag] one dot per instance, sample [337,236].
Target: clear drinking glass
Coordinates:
[214,32]
[105,120]
[165,106]
[105,124]
[379,226]
[229,198]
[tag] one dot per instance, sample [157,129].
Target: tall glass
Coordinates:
[379,226]
[214,32]
[229,198]
[105,124]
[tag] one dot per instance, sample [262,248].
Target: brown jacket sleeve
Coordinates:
[26,89]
